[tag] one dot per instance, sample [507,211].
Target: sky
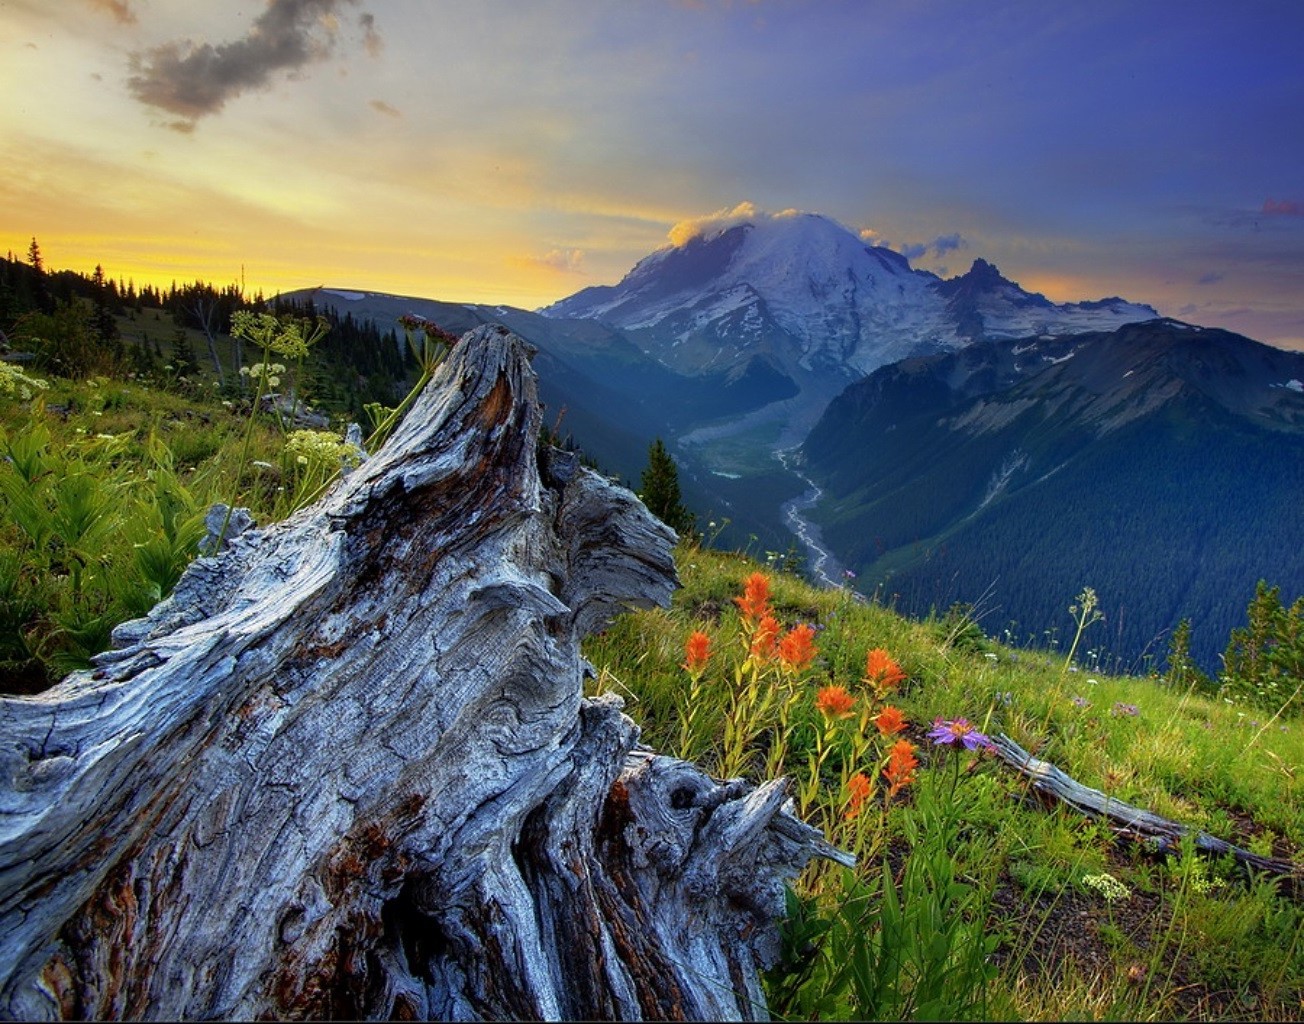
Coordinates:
[516,151]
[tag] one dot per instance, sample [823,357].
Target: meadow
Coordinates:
[974,897]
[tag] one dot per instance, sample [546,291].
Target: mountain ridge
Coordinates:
[1159,463]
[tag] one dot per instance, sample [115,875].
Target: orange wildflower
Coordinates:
[834,701]
[859,789]
[890,721]
[881,671]
[901,765]
[797,648]
[755,601]
[697,652]
[766,637]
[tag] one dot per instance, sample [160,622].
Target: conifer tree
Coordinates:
[659,490]
[41,296]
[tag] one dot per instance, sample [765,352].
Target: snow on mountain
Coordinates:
[810,296]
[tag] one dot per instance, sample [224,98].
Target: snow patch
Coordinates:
[346,296]
[1291,385]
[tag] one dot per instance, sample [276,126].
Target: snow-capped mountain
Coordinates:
[809,296]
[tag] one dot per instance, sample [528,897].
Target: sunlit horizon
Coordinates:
[499,153]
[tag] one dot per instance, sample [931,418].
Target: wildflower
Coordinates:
[957,733]
[755,601]
[797,648]
[1081,702]
[901,765]
[859,789]
[322,447]
[834,701]
[766,638]
[881,671]
[1108,886]
[14,382]
[890,721]
[285,338]
[697,651]
[1120,710]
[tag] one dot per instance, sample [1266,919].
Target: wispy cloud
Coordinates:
[938,247]
[1283,208]
[119,9]
[381,107]
[571,261]
[371,40]
[194,80]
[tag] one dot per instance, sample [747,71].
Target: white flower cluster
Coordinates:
[1108,886]
[322,448]
[269,370]
[14,382]
[284,337]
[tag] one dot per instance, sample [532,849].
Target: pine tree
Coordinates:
[41,296]
[103,320]
[660,490]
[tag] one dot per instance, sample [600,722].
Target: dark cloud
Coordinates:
[381,107]
[193,80]
[1213,277]
[943,244]
[939,246]
[119,9]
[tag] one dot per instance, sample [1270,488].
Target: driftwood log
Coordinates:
[1130,822]
[347,771]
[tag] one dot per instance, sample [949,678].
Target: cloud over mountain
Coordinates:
[722,220]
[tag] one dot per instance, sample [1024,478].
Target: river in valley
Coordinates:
[822,567]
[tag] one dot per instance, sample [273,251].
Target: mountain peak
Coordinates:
[813,296]
[986,273]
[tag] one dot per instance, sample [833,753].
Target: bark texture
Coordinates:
[346,770]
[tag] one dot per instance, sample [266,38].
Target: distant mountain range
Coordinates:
[970,437]
[1160,463]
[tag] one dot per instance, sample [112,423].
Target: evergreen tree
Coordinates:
[1182,669]
[660,490]
[103,320]
[41,296]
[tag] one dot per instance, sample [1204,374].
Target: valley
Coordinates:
[941,439]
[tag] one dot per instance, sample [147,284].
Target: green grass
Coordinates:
[1193,939]
[969,900]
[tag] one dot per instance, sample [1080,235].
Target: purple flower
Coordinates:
[1119,708]
[957,733]
[1081,702]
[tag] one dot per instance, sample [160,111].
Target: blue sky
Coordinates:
[518,151]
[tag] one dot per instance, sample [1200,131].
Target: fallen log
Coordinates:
[1163,835]
[346,770]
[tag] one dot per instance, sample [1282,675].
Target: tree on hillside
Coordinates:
[40,286]
[659,489]
[102,318]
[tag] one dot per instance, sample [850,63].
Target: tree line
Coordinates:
[77,325]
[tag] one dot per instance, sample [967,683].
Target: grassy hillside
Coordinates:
[974,897]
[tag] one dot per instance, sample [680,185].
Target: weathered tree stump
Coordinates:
[347,770]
